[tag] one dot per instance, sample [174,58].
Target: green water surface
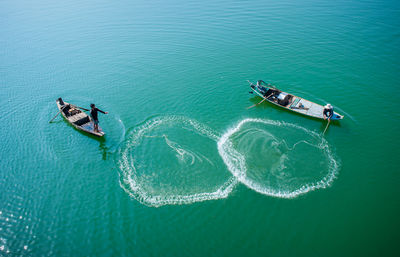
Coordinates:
[185,169]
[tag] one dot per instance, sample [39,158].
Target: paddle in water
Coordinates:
[256,104]
[56,114]
[259,102]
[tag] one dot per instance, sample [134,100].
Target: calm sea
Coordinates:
[185,169]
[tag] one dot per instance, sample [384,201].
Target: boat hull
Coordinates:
[79,119]
[295,104]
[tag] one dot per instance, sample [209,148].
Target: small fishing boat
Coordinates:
[77,118]
[290,102]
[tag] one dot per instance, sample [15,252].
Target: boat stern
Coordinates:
[337,116]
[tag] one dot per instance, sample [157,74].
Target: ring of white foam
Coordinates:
[236,162]
[129,180]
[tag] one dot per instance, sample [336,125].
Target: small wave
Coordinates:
[278,174]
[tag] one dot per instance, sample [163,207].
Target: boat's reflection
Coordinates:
[104,150]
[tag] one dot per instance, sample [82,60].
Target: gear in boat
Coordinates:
[273,94]
[73,114]
[78,118]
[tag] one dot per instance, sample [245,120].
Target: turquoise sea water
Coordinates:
[185,169]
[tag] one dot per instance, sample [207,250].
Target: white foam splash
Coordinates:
[236,162]
[118,119]
[129,179]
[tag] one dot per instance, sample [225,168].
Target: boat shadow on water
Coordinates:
[267,105]
[104,150]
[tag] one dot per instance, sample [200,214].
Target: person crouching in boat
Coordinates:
[328,112]
[93,113]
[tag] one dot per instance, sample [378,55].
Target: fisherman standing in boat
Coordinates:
[93,114]
[328,112]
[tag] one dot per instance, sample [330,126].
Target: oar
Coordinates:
[257,104]
[326,126]
[56,114]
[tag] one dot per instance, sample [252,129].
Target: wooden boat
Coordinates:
[78,118]
[290,102]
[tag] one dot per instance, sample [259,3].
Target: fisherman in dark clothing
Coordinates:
[93,114]
[328,112]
